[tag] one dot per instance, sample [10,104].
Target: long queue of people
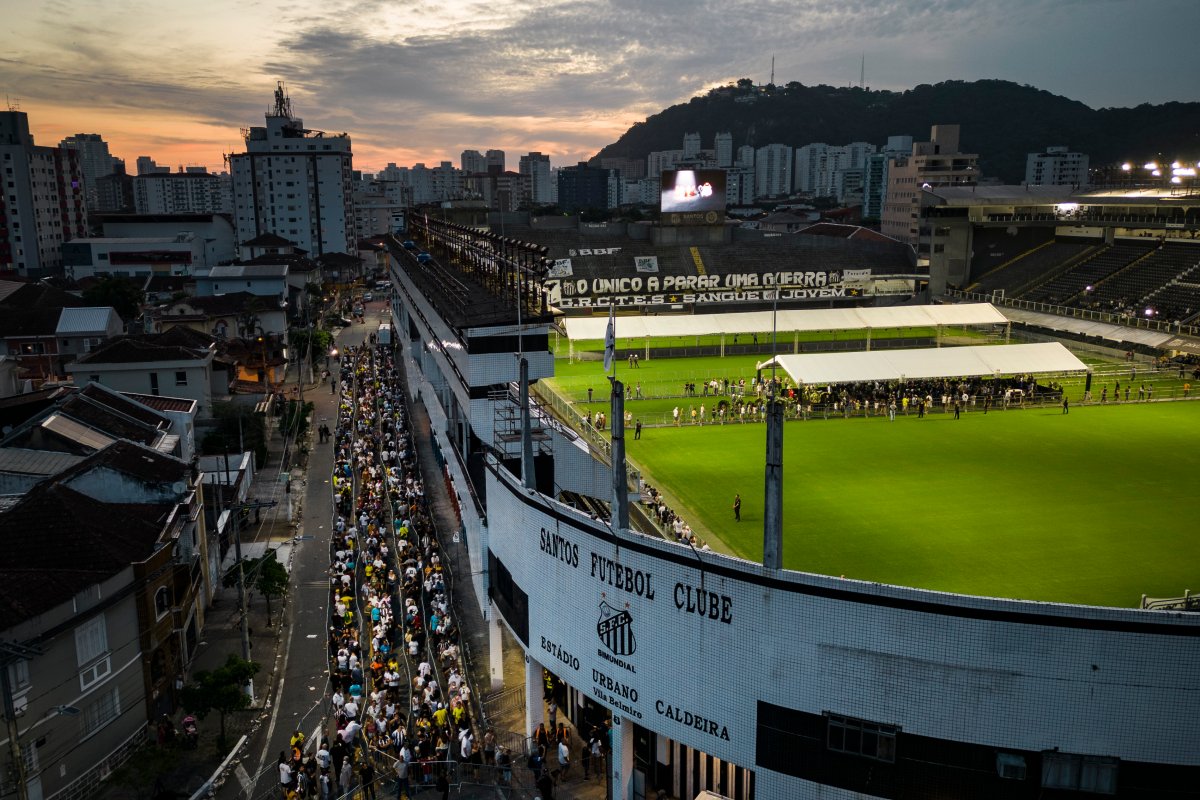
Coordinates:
[398,700]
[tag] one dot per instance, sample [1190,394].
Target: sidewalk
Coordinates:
[176,768]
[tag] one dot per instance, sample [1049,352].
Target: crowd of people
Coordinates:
[673,526]
[399,703]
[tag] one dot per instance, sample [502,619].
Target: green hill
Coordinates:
[1001,120]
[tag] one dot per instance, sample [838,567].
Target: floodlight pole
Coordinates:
[773,497]
[620,501]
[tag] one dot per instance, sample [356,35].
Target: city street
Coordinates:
[298,696]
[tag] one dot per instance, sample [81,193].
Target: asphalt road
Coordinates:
[299,693]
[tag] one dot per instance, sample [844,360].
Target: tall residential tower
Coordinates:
[294,182]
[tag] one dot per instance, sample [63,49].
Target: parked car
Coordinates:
[368,297]
[336,321]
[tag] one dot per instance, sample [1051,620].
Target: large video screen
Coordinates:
[692,190]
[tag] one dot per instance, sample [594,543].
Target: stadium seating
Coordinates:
[1074,281]
[1128,289]
[1031,267]
[1179,300]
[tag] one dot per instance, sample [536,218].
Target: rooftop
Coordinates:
[273,270]
[84,320]
[268,240]
[84,542]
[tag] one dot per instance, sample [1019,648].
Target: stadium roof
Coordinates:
[922,363]
[821,319]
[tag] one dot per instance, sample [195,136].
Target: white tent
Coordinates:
[787,320]
[922,363]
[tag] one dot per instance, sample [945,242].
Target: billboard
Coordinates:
[693,196]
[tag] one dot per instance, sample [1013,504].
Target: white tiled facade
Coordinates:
[1005,675]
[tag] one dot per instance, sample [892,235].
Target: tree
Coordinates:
[314,341]
[269,576]
[221,690]
[236,425]
[122,294]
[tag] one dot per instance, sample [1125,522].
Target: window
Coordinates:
[181,378]
[162,602]
[91,651]
[1094,774]
[18,675]
[154,383]
[861,738]
[104,710]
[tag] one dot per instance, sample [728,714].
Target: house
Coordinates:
[225,316]
[344,269]
[99,622]
[164,288]
[267,244]
[29,315]
[267,281]
[81,330]
[302,272]
[179,362]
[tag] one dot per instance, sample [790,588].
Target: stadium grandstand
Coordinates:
[1131,255]
[635,265]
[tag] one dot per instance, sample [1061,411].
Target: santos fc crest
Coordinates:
[615,629]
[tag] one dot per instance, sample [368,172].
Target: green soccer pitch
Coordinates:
[1094,507]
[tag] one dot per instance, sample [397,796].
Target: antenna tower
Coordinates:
[772,81]
[283,103]
[862,71]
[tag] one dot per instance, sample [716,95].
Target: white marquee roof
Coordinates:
[789,320]
[936,362]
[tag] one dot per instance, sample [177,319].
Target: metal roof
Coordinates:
[248,271]
[72,430]
[84,320]
[35,462]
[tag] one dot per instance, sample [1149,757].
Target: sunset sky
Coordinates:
[420,81]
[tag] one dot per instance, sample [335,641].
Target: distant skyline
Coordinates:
[416,81]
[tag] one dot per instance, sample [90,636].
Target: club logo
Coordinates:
[615,629]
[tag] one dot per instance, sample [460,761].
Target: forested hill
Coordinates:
[1000,120]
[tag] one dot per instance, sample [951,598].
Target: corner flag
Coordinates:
[610,339]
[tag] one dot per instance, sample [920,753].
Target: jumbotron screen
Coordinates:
[692,190]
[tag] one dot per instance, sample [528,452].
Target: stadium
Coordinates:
[978,591]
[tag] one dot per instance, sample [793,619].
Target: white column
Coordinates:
[535,708]
[495,654]
[621,767]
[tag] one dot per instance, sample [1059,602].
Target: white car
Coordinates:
[368,297]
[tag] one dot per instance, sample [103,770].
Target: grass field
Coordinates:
[1094,507]
[662,382]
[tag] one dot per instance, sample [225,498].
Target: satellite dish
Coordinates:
[179,487]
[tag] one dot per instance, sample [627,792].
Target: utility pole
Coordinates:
[10,653]
[241,578]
